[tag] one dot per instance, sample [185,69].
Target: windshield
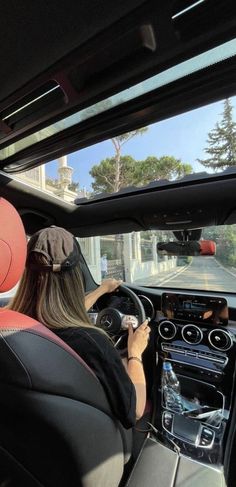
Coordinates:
[133,258]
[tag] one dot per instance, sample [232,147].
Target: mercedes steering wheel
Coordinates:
[113,321]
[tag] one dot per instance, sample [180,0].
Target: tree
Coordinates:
[104,174]
[165,167]
[118,142]
[222,141]
[135,173]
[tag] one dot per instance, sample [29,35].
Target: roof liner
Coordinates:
[190,204]
[36,35]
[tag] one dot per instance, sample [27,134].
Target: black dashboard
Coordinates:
[196,333]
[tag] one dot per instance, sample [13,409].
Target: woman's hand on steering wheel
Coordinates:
[110,285]
[138,340]
[111,319]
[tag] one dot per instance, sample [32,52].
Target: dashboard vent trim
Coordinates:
[169,324]
[185,331]
[226,335]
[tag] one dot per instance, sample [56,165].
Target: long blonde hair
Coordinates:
[56,299]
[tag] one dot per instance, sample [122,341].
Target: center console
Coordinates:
[195,336]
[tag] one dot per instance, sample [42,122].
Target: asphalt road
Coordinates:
[204,273]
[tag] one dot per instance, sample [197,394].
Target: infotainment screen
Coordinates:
[195,308]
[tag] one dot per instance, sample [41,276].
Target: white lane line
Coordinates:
[177,274]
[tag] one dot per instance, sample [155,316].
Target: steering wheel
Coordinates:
[113,321]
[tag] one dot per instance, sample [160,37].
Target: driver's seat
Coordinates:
[56,426]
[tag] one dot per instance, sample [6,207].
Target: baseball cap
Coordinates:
[59,246]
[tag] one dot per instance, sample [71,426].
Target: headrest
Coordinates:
[12,246]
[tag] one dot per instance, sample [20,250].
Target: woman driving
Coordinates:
[51,291]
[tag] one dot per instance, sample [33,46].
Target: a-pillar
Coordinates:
[154,252]
[128,256]
[42,177]
[96,258]
[138,247]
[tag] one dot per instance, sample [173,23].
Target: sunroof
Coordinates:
[181,70]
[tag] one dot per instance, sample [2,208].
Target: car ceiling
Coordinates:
[92,50]
[38,34]
[183,204]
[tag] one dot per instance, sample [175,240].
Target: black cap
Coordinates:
[60,248]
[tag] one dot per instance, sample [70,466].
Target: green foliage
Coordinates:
[165,167]
[122,139]
[104,174]
[222,142]
[135,173]
[225,238]
[118,142]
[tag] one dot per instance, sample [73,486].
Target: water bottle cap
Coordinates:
[167,366]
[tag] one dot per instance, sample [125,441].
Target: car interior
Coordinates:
[75,74]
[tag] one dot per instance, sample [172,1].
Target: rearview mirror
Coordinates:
[191,247]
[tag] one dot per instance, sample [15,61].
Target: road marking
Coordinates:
[206,281]
[176,274]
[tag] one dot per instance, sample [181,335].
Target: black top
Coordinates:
[101,356]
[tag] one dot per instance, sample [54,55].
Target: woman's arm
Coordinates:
[137,343]
[107,286]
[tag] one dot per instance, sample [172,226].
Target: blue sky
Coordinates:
[183,137]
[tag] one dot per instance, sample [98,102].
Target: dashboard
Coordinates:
[196,333]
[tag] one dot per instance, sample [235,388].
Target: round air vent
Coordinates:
[167,330]
[220,339]
[192,334]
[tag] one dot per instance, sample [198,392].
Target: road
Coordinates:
[203,273]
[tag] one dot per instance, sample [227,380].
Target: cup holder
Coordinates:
[201,402]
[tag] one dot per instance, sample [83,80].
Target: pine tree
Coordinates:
[222,141]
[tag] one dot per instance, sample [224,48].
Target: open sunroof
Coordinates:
[128,76]
[186,68]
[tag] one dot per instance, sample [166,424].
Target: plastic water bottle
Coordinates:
[171,389]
